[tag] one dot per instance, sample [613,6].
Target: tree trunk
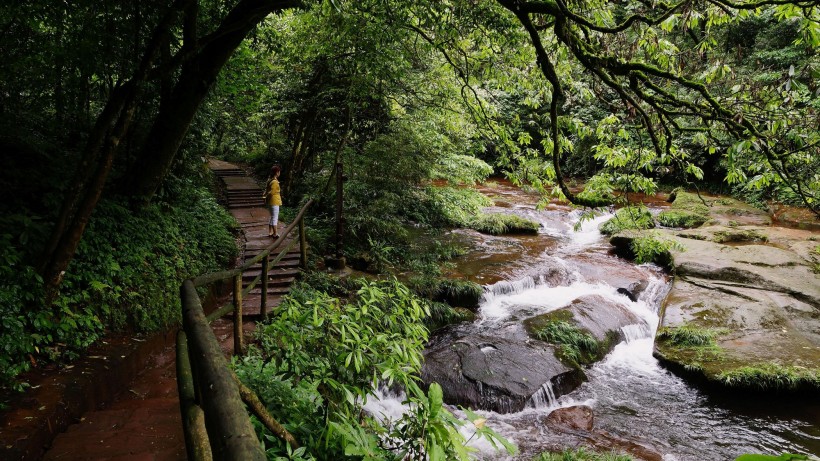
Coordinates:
[197,77]
[103,143]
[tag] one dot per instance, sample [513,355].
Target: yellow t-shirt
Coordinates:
[273,194]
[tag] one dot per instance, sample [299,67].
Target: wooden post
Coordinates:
[302,244]
[263,308]
[237,314]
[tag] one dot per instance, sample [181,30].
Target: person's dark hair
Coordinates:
[275,169]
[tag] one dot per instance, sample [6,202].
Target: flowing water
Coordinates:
[632,396]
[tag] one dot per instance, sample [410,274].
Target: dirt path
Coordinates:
[120,402]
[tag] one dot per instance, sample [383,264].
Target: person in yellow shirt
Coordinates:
[273,199]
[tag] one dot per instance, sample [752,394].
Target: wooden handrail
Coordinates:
[225,275]
[215,422]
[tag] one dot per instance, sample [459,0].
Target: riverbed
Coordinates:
[633,397]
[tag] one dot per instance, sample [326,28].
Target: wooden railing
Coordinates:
[214,419]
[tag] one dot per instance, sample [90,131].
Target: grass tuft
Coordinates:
[582,454]
[690,336]
[575,345]
[772,376]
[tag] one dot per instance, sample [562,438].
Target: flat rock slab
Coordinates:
[762,296]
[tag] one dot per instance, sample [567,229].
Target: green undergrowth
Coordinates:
[582,454]
[125,276]
[502,224]
[628,218]
[455,292]
[320,357]
[450,206]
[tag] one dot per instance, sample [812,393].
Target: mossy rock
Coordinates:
[504,224]
[681,219]
[697,352]
[739,236]
[628,218]
[688,211]
[584,331]
[689,202]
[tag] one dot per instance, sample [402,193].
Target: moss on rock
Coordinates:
[628,218]
[502,224]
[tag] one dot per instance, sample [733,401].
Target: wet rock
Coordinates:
[579,417]
[574,426]
[497,374]
[603,318]
[628,294]
[751,290]
[614,271]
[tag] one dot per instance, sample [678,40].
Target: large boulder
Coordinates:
[603,318]
[744,308]
[494,373]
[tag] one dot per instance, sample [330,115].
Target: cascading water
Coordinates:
[631,394]
[544,398]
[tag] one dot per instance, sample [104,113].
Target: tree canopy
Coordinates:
[104,100]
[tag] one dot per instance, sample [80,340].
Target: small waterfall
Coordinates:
[655,293]
[636,331]
[510,287]
[587,233]
[544,398]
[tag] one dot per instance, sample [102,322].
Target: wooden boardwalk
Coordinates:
[244,197]
[143,421]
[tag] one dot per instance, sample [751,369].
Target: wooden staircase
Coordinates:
[245,202]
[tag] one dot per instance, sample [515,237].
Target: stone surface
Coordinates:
[579,417]
[756,286]
[496,373]
[601,317]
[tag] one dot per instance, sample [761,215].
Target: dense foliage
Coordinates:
[322,357]
[107,109]
[125,277]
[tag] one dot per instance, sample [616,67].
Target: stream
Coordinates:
[632,396]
